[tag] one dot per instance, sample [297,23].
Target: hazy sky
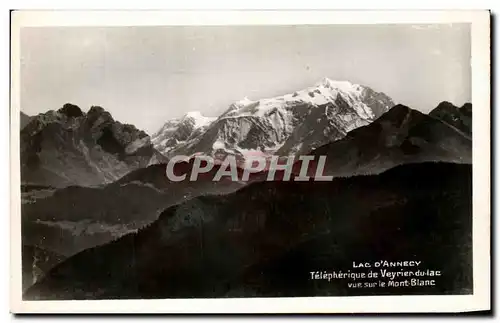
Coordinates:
[146,75]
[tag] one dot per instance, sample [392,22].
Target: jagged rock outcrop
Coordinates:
[70,147]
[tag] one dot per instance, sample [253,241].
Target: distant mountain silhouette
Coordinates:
[400,136]
[35,262]
[265,239]
[460,118]
[290,124]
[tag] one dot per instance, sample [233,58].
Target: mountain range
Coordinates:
[460,118]
[24,119]
[180,131]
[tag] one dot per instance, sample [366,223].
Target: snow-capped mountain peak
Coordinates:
[243,102]
[69,147]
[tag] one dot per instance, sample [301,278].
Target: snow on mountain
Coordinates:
[285,125]
[70,147]
[177,131]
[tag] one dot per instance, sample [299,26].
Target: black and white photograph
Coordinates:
[249,161]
